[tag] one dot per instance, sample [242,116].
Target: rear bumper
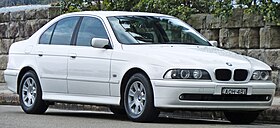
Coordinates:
[167,92]
[10,77]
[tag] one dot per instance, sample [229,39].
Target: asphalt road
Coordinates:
[14,117]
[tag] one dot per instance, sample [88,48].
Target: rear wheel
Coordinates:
[139,99]
[242,117]
[30,94]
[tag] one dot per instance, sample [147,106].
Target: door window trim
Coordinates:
[104,25]
[55,24]
[76,30]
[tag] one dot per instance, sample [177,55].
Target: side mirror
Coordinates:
[100,43]
[214,43]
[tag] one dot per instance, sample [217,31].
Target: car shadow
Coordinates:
[110,116]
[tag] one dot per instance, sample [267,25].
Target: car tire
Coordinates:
[139,99]
[117,110]
[30,94]
[242,117]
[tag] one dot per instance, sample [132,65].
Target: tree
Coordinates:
[222,8]
[180,8]
[79,5]
[267,8]
[120,5]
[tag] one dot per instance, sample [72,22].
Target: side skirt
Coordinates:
[83,99]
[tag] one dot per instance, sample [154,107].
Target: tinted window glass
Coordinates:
[90,28]
[46,36]
[63,31]
[154,30]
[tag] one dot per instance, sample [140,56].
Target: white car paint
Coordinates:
[95,75]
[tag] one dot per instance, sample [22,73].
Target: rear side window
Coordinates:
[64,30]
[46,36]
[90,28]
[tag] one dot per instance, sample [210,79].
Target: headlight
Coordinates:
[197,74]
[187,74]
[256,75]
[261,75]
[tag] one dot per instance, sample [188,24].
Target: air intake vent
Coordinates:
[209,97]
[240,75]
[223,74]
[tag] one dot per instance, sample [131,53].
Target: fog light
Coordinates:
[181,97]
[267,98]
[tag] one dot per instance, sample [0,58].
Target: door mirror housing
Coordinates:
[214,43]
[100,43]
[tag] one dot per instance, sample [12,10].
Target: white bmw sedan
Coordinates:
[135,63]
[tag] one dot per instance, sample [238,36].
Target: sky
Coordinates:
[21,8]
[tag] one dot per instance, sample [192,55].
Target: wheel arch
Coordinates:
[125,79]
[21,74]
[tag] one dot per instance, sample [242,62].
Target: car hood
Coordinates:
[191,56]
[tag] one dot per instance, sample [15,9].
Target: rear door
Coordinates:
[53,55]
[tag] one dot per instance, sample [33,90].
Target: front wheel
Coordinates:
[30,94]
[242,117]
[139,99]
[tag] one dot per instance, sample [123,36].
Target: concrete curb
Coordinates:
[9,99]
[271,115]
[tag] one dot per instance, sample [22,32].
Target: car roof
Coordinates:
[115,13]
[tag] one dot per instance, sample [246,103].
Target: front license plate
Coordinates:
[234,91]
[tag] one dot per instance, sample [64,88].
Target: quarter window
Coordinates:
[90,28]
[46,36]
[64,30]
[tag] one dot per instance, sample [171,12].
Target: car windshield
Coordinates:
[154,30]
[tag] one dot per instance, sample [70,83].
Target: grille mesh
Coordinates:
[223,74]
[240,75]
[226,74]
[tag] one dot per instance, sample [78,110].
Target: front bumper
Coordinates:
[167,92]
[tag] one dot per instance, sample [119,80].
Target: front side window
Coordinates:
[64,30]
[90,28]
[154,30]
[46,36]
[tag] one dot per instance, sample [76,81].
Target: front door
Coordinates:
[88,67]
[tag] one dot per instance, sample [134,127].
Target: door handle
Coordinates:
[40,53]
[73,55]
